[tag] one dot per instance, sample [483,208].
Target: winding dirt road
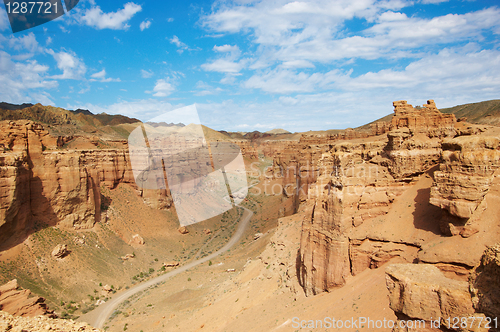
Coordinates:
[100,315]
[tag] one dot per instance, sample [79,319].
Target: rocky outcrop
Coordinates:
[137,240]
[422,295]
[421,292]
[463,179]
[324,251]
[44,185]
[427,120]
[415,138]
[19,302]
[42,324]
[60,251]
[353,183]
[485,283]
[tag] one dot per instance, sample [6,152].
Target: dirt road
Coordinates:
[100,315]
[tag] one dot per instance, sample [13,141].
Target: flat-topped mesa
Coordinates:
[427,119]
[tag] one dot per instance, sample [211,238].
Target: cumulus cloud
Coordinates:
[227,48]
[145,25]
[25,43]
[224,66]
[228,63]
[96,18]
[315,31]
[162,88]
[24,81]
[72,66]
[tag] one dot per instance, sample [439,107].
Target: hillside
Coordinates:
[485,112]
[66,123]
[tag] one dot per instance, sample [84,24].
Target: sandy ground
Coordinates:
[254,297]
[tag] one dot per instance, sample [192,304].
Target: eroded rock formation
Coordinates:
[464,178]
[42,184]
[421,291]
[485,283]
[20,302]
[354,183]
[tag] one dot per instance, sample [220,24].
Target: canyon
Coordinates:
[422,190]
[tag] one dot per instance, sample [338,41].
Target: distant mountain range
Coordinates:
[84,122]
[65,122]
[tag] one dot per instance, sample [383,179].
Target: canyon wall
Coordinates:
[355,182]
[45,185]
[463,179]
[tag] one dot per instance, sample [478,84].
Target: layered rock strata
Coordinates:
[421,295]
[44,185]
[20,302]
[465,175]
[355,182]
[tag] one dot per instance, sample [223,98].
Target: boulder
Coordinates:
[171,264]
[485,283]
[137,239]
[421,291]
[60,251]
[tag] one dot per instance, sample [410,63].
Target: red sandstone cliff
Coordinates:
[355,182]
[42,184]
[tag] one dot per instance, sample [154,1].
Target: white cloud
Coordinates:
[180,45]
[162,88]
[229,78]
[24,81]
[286,81]
[224,66]
[228,62]
[227,48]
[25,43]
[297,64]
[432,1]
[145,25]
[96,18]
[4,20]
[146,73]
[205,89]
[48,41]
[101,77]
[454,73]
[84,89]
[314,31]
[70,64]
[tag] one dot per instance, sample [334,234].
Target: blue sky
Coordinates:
[256,65]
